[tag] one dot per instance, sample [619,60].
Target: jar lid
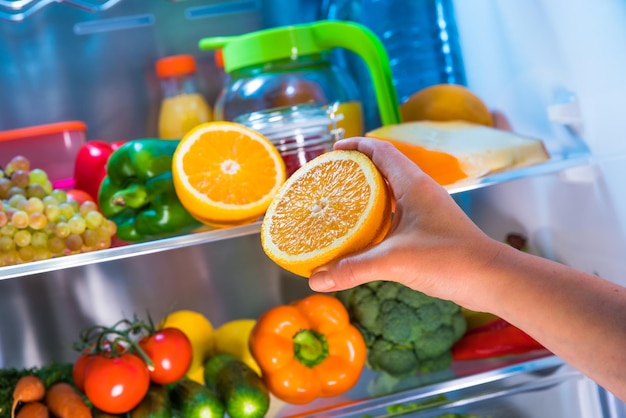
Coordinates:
[277,123]
[175,65]
[297,116]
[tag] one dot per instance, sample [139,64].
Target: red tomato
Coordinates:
[170,351]
[79,196]
[83,361]
[116,384]
[78,371]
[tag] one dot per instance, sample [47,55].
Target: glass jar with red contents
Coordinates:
[299,132]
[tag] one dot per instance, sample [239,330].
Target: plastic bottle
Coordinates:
[183,106]
[420,38]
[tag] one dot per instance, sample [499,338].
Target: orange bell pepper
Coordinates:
[308,349]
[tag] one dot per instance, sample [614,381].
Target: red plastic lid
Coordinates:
[39,130]
[175,65]
[219,58]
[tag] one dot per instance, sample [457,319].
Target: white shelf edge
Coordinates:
[126,251]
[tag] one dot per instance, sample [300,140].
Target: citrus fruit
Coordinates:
[225,173]
[446,102]
[233,338]
[333,205]
[200,332]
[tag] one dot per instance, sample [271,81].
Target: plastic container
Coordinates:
[291,65]
[51,147]
[300,132]
[183,106]
[419,36]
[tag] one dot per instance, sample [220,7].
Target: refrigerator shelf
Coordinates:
[206,235]
[535,385]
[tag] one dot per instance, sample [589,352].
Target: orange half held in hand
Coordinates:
[335,204]
[226,174]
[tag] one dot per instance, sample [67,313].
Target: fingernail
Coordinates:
[321,281]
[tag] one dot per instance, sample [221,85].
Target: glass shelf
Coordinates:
[533,385]
[201,237]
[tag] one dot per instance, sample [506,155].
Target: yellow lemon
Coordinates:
[233,338]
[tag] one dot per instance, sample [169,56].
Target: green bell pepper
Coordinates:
[138,192]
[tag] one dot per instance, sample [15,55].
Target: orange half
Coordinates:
[335,204]
[226,174]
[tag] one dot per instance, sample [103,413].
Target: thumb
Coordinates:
[349,271]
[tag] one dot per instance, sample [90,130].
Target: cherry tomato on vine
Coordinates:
[83,361]
[116,384]
[78,371]
[171,352]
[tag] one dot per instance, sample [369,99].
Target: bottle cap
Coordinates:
[175,65]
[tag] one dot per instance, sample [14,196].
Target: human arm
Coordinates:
[435,248]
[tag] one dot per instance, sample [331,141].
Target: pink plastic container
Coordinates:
[52,147]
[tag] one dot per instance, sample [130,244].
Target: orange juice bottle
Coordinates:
[183,107]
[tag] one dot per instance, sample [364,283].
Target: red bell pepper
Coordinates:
[494,339]
[90,165]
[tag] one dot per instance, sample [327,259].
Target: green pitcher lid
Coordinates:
[291,42]
[263,46]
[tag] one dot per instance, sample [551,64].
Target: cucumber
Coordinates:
[193,400]
[213,366]
[156,404]
[242,390]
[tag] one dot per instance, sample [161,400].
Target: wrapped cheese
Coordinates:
[454,151]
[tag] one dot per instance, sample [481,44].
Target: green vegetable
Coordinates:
[405,330]
[138,192]
[243,391]
[213,366]
[56,372]
[156,404]
[193,400]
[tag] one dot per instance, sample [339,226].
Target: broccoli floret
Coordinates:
[366,313]
[395,359]
[398,323]
[413,298]
[406,331]
[434,344]
[436,364]
[388,290]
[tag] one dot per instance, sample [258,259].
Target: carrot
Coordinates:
[27,389]
[33,410]
[65,402]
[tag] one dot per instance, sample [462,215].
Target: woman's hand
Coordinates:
[432,247]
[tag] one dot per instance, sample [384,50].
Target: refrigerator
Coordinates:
[553,67]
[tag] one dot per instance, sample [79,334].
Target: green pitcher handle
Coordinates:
[362,41]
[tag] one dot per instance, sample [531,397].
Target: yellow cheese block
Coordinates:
[453,151]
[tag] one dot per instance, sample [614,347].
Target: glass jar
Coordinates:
[306,79]
[300,132]
[183,106]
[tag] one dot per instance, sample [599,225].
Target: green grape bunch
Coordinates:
[38,222]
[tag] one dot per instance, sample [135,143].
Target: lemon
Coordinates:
[233,338]
[200,332]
